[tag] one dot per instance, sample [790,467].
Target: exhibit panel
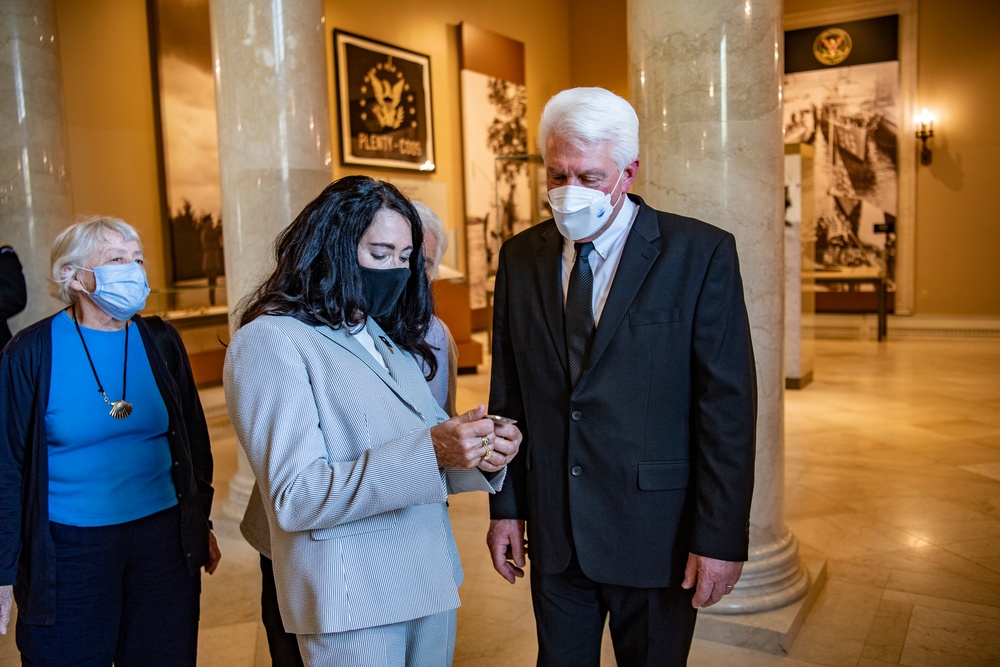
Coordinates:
[841,97]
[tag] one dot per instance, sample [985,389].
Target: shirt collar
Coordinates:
[604,243]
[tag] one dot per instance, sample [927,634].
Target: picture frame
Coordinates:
[384,104]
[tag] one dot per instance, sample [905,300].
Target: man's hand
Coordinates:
[710,578]
[214,553]
[6,600]
[462,441]
[507,547]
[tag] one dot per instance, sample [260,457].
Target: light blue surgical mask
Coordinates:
[121,289]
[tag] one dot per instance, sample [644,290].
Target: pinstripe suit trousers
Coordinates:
[423,642]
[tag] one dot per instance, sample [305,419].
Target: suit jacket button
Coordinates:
[576,471]
[576,415]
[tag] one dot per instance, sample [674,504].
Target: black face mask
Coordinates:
[382,289]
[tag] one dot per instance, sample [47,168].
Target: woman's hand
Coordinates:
[214,553]
[505,446]
[464,441]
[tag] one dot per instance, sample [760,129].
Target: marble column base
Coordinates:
[773,578]
[770,631]
[240,486]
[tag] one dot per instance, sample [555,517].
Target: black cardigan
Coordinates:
[27,554]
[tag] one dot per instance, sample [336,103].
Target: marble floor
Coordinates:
[892,476]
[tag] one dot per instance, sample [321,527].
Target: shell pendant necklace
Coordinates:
[119,409]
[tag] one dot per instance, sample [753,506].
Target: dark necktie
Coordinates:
[579,311]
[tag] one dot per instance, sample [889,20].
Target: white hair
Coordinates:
[78,242]
[587,116]
[432,225]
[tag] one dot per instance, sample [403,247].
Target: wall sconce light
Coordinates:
[925,131]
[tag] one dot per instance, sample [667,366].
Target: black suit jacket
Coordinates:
[651,455]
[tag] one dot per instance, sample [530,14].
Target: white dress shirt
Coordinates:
[365,338]
[604,260]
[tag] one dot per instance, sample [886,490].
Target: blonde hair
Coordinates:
[78,242]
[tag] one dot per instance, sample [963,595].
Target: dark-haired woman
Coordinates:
[352,456]
[105,470]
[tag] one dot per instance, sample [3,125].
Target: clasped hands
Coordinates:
[472,441]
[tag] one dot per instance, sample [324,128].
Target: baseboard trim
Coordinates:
[800,382]
[865,326]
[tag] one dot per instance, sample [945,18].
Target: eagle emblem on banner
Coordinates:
[386,96]
[832,46]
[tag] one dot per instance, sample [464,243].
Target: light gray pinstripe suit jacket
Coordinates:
[347,476]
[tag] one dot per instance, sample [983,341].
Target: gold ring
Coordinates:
[489,453]
[486,441]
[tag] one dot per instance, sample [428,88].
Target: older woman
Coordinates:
[352,456]
[443,384]
[105,469]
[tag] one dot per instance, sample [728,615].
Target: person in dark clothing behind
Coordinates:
[13,293]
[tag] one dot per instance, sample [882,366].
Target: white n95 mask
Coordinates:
[578,211]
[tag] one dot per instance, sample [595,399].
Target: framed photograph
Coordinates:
[384,104]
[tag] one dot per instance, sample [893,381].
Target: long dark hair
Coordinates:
[317,278]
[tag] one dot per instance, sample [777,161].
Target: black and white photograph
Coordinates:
[384,104]
[848,114]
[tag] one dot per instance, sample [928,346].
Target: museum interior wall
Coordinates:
[112,149]
[957,198]
[108,107]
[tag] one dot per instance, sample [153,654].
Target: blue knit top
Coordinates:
[104,471]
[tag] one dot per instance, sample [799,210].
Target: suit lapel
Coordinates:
[548,265]
[638,255]
[402,385]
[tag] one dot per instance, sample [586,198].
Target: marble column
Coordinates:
[274,141]
[35,197]
[705,79]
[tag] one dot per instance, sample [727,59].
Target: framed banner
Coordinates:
[384,104]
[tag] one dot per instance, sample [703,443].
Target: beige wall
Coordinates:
[107,98]
[109,105]
[431,30]
[598,47]
[958,196]
[112,151]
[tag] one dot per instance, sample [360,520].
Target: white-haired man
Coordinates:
[621,345]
